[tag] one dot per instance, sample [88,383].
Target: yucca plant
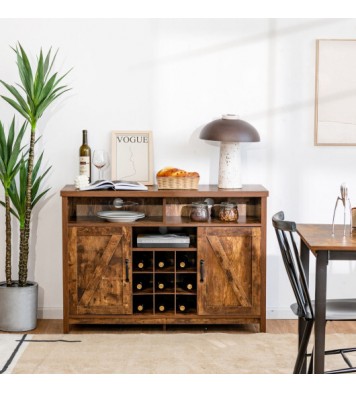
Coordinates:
[37,90]
[10,164]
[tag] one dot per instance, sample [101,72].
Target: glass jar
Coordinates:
[228,212]
[199,212]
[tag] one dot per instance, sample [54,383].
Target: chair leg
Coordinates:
[311,363]
[303,346]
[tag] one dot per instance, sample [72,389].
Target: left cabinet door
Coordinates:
[99,271]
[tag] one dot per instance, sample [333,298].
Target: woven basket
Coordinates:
[177,182]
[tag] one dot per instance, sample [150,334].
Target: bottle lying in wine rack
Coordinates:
[165,282]
[143,304]
[185,261]
[142,261]
[141,264]
[186,282]
[164,303]
[142,282]
[160,285]
[161,264]
[186,304]
[164,261]
[139,286]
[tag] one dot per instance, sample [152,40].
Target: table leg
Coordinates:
[320,312]
[304,256]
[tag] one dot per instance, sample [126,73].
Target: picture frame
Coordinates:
[132,158]
[335,87]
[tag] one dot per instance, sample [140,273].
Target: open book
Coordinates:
[114,185]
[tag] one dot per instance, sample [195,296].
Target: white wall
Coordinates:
[174,76]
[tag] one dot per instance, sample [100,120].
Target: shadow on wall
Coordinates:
[212,49]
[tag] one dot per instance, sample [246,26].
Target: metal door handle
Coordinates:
[202,273]
[127,270]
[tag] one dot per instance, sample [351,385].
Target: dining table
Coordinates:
[325,245]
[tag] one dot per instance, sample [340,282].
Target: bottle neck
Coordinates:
[85,138]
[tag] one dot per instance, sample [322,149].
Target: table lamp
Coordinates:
[230,131]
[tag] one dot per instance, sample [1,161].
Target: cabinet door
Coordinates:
[99,270]
[229,280]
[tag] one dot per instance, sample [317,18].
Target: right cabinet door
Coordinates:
[229,279]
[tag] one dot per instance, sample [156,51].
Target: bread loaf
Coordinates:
[175,172]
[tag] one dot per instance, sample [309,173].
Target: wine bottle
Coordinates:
[85,157]
[139,286]
[189,286]
[161,264]
[140,308]
[160,286]
[183,264]
[181,307]
[161,308]
[141,265]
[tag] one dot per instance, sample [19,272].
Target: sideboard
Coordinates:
[218,278]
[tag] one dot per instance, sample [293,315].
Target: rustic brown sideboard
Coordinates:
[109,279]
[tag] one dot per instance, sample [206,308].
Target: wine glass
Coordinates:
[100,160]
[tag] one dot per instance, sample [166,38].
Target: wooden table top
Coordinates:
[319,237]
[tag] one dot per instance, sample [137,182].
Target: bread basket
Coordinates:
[177,182]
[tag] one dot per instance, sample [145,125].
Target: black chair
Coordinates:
[336,309]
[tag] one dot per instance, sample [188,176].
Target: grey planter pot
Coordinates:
[18,307]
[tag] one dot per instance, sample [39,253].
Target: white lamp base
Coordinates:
[230,165]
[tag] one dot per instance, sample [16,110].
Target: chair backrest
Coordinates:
[293,264]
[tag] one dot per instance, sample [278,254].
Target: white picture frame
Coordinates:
[335,88]
[132,156]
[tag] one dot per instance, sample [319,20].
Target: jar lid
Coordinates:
[229,205]
[199,204]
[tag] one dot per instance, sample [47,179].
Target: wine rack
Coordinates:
[164,282]
[111,278]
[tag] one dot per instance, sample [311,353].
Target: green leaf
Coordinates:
[39,79]
[3,144]
[47,89]
[46,63]
[11,210]
[10,137]
[63,76]
[16,150]
[39,197]
[27,68]
[17,95]
[48,101]
[50,67]
[17,107]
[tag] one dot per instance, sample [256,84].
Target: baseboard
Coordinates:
[272,313]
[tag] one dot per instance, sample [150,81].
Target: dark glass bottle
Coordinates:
[183,262]
[85,157]
[139,286]
[160,286]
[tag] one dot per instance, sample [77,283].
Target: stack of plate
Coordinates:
[120,216]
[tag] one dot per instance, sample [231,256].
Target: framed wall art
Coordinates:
[335,92]
[132,156]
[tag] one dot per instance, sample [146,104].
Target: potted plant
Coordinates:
[19,175]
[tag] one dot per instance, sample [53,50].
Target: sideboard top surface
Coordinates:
[248,190]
